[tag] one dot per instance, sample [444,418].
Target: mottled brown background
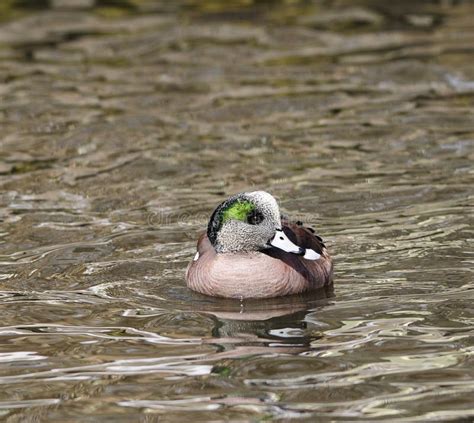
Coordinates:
[124,123]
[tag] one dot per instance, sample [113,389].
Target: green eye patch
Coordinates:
[239,210]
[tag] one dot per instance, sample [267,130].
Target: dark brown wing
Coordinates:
[317,272]
[303,236]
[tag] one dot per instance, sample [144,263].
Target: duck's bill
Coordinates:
[281,241]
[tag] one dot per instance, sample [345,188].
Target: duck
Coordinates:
[251,251]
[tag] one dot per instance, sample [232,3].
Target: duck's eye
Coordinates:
[254,217]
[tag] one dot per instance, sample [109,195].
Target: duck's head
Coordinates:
[249,221]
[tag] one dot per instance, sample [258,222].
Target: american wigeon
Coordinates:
[250,251]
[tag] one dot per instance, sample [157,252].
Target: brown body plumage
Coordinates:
[270,272]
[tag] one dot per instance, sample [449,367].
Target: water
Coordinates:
[125,123]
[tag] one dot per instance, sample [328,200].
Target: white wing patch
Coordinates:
[311,254]
[281,241]
[196,256]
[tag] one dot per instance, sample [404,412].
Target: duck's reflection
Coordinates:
[257,326]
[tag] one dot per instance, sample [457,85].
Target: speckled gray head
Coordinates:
[244,222]
[250,221]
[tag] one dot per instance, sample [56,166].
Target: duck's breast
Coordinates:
[250,275]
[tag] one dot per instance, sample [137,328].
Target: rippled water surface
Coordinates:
[124,123]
